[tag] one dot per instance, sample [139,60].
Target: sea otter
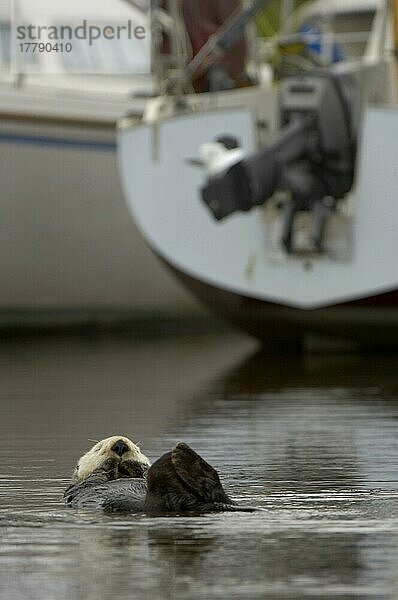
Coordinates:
[116,477]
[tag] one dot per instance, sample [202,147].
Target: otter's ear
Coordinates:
[198,474]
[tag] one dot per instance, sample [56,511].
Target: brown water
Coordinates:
[313,443]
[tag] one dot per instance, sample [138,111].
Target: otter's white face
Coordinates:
[116,447]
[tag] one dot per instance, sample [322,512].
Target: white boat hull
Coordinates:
[229,264]
[66,239]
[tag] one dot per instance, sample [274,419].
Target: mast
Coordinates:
[395,15]
[285,12]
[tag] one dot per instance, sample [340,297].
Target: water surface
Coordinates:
[311,442]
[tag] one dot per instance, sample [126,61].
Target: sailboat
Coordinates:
[70,254]
[296,235]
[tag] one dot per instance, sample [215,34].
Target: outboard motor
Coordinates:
[312,158]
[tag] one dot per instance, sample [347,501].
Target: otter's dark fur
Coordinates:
[178,481]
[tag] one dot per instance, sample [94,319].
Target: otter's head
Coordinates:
[127,457]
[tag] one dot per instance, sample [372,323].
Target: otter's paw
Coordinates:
[109,468]
[132,468]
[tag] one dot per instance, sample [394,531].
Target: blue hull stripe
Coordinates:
[58,142]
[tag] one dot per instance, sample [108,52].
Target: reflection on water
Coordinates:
[312,442]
